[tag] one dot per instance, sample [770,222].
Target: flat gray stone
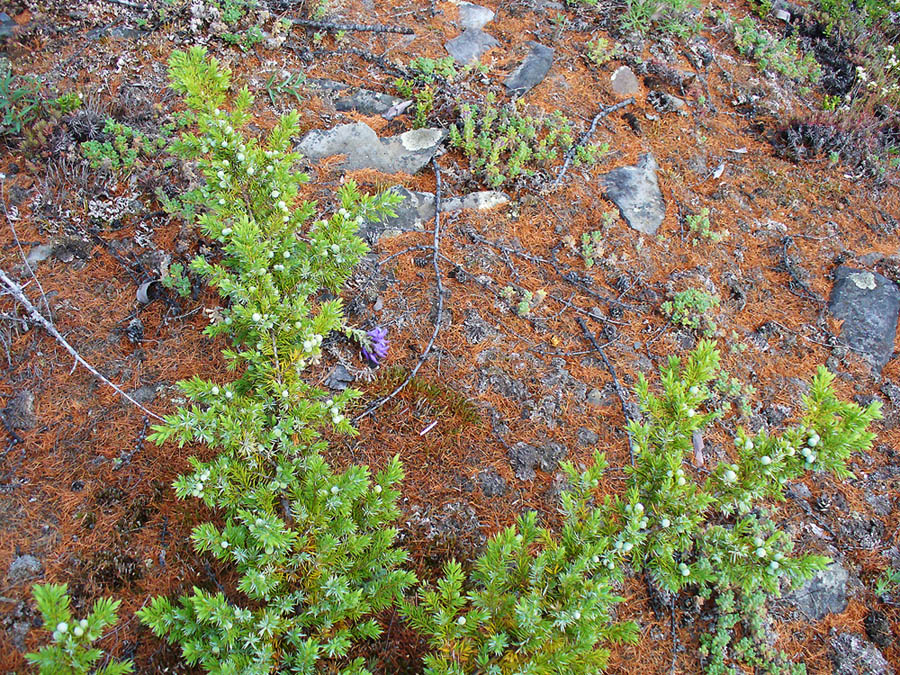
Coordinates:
[868,303]
[417,208]
[825,593]
[532,71]
[23,568]
[407,152]
[852,654]
[339,378]
[624,82]
[665,102]
[473,16]
[470,45]
[367,102]
[479,201]
[347,98]
[635,190]
[39,253]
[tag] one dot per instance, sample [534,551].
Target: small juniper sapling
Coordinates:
[719,536]
[72,651]
[534,602]
[313,549]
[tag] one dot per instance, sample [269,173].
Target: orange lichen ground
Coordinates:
[107,529]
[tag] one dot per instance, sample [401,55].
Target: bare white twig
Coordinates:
[10,221]
[16,291]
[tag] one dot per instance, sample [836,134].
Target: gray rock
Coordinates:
[339,378]
[7,25]
[585,437]
[407,152]
[19,412]
[115,32]
[480,201]
[367,102]
[492,483]
[346,98]
[595,397]
[531,72]
[664,102]
[635,190]
[417,208]
[474,17]
[470,45]
[39,253]
[624,82]
[868,303]
[852,654]
[23,568]
[825,593]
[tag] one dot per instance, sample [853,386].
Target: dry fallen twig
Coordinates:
[352,27]
[586,136]
[16,291]
[435,255]
[620,392]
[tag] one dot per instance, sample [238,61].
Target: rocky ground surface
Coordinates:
[807,275]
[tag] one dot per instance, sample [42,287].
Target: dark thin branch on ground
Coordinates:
[126,457]
[620,392]
[128,3]
[790,268]
[674,639]
[16,291]
[15,439]
[379,61]
[352,27]
[586,136]
[435,255]
[12,228]
[212,575]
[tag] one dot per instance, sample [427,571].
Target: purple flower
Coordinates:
[378,336]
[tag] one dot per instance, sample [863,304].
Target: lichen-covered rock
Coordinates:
[470,45]
[408,152]
[868,304]
[825,593]
[852,654]
[635,190]
[531,72]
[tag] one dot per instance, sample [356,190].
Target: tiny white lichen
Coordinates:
[864,280]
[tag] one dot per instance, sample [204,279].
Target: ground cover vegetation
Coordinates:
[315,563]
[315,549]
